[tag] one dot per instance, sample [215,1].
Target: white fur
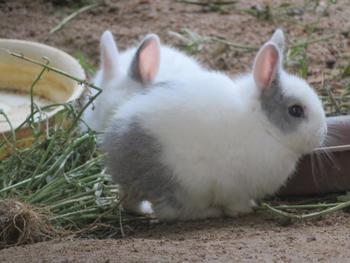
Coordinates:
[118,89]
[218,142]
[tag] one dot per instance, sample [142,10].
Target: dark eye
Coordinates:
[296,111]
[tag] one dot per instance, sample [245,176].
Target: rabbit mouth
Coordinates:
[315,140]
[298,145]
[321,134]
[275,134]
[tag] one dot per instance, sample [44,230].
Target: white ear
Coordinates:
[145,64]
[109,56]
[278,39]
[266,65]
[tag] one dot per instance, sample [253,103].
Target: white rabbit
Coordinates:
[208,146]
[123,75]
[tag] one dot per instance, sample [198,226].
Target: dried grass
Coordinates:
[23,224]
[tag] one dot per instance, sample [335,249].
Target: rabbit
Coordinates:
[122,75]
[209,146]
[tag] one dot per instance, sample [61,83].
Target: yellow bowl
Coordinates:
[16,78]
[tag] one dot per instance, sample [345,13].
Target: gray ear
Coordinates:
[145,64]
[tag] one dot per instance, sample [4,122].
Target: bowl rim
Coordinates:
[77,88]
[82,75]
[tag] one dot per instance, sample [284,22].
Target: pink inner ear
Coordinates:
[265,67]
[149,61]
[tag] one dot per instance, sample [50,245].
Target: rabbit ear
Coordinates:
[278,39]
[109,56]
[269,60]
[145,64]
[266,65]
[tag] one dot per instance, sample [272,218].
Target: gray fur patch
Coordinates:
[134,161]
[275,106]
[134,71]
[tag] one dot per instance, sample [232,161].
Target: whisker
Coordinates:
[337,148]
[328,155]
[334,133]
[319,158]
[313,170]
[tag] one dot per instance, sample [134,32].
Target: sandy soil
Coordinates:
[254,238]
[248,239]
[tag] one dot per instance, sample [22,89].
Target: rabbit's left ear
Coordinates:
[266,65]
[278,39]
[269,60]
[145,64]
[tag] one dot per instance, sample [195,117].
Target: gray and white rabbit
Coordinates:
[122,75]
[208,145]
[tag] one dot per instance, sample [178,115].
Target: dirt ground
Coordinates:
[253,238]
[247,239]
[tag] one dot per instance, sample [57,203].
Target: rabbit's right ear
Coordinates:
[109,56]
[145,64]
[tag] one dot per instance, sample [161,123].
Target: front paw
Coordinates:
[254,204]
[237,210]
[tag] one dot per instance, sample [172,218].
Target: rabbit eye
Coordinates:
[296,111]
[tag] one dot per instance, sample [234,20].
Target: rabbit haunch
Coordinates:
[207,145]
